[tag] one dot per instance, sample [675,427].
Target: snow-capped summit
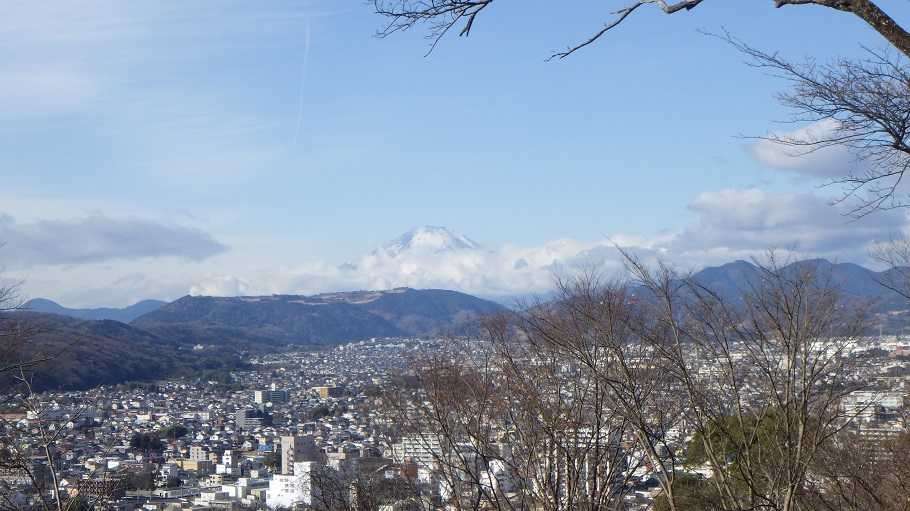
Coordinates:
[429,239]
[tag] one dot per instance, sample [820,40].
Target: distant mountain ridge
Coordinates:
[726,279]
[329,318]
[88,353]
[848,277]
[861,286]
[197,333]
[124,315]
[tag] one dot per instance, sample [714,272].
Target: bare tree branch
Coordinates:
[869,102]
[869,12]
[441,15]
[869,99]
[438,15]
[895,255]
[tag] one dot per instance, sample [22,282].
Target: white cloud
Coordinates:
[737,223]
[731,224]
[512,270]
[827,163]
[98,238]
[221,286]
[473,271]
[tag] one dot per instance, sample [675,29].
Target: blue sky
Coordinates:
[157,149]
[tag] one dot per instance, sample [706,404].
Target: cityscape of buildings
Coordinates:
[300,430]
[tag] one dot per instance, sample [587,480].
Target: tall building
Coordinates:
[249,418]
[295,449]
[273,395]
[424,451]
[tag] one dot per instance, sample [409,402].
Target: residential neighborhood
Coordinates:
[300,430]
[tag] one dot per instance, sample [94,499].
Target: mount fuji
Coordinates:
[430,239]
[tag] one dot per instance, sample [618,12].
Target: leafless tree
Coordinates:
[867,100]
[762,374]
[440,16]
[14,330]
[858,473]
[446,411]
[28,455]
[867,104]
[512,423]
[568,438]
[590,322]
[654,372]
[17,354]
[357,484]
[31,449]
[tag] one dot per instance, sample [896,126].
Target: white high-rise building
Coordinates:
[289,491]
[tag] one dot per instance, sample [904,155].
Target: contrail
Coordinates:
[306,58]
